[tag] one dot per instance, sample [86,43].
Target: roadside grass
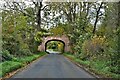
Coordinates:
[99,67]
[16,63]
[9,66]
[28,59]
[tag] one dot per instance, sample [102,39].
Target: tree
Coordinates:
[97,17]
[33,10]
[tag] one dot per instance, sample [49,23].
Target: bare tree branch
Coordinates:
[97,16]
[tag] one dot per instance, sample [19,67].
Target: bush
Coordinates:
[24,52]
[115,69]
[6,55]
[78,44]
[93,47]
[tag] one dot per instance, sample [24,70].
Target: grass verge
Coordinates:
[98,67]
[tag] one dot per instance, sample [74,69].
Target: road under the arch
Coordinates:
[52,52]
[53,66]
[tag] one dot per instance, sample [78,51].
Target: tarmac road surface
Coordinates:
[53,66]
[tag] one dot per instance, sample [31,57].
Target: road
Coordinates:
[53,66]
[52,52]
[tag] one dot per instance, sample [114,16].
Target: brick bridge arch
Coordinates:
[62,38]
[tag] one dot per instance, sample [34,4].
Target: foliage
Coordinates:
[57,31]
[18,36]
[15,35]
[103,45]
[93,47]
[77,47]
[24,52]
[61,47]
[55,46]
[38,37]
[6,55]
[52,45]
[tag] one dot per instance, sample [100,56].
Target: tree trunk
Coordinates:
[97,16]
[39,17]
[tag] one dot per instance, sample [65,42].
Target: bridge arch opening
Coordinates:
[55,45]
